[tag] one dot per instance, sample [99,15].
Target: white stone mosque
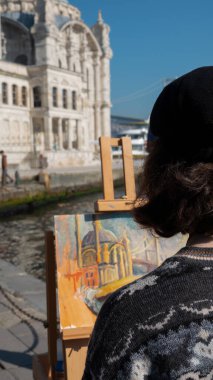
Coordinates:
[54,83]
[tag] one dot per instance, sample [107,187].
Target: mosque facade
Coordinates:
[54,83]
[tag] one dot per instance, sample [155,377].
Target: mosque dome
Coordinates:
[105,236]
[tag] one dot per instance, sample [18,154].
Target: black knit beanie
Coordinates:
[182,117]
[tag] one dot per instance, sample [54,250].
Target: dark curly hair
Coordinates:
[176,194]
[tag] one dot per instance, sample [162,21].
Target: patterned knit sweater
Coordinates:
[160,326]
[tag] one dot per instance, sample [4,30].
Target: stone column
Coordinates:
[60,134]
[79,134]
[91,124]
[70,134]
[32,135]
[48,131]
[86,134]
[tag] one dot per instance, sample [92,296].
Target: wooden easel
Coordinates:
[44,364]
[109,203]
[51,295]
[75,341]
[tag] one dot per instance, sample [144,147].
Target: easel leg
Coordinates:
[75,352]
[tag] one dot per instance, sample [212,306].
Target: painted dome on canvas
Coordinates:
[105,236]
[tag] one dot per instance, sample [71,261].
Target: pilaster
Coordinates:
[79,134]
[48,133]
[60,134]
[70,134]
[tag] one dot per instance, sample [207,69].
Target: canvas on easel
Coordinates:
[98,253]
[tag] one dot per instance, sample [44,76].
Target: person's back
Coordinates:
[161,326]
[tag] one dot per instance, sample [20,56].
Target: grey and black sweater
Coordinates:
[160,326]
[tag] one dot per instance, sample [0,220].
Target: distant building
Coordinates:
[54,83]
[121,123]
[137,129]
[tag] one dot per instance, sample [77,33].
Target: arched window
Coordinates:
[64,98]
[15,94]
[17,42]
[4,89]
[22,59]
[74,100]
[59,64]
[37,101]
[55,96]
[74,67]
[24,96]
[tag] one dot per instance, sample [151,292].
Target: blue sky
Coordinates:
[151,40]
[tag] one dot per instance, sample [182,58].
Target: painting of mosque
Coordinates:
[99,253]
